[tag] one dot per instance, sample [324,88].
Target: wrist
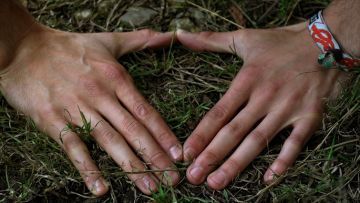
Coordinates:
[343,28]
[305,45]
[307,49]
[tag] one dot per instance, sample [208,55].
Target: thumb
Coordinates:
[212,41]
[121,43]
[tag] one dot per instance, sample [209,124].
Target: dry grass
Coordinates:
[183,85]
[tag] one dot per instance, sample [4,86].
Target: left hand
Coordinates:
[279,85]
[56,74]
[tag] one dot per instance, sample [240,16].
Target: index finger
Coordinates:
[217,117]
[120,43]
[212,41]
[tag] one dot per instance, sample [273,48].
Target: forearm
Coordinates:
[343,17]
[15,24]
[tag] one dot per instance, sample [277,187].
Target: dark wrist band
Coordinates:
[332,55]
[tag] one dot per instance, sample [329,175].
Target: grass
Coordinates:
[83,131]
[183,86]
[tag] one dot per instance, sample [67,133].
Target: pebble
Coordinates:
[83,14]
[184,24]
[137,16]
[105,6]
[196,14]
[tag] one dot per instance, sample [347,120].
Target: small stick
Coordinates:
[215,14]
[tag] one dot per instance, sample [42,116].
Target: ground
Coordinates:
[183,85]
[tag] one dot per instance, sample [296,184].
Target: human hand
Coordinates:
[279,85]
[55,73]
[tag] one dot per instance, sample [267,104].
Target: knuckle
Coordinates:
[91,86]
[136,178]
[106,136]
[252,70]
[266,93]
[218,112]
[141,109]
[47,111]
[231,167]
[313,110]
[271,89]
[229,130]
[259,138]
[241,84]
[113,73]
[164,137]
[134,165]
[70,143]
[297,141]
[317,107]
[198,140]
[131,125]
[246,77]
[157,157]
[89,171]
[295,97]
[209,157]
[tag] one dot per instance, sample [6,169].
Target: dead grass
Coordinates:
[183,85]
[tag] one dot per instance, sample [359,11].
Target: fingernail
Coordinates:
[149,184]
[197,172]
[171,177]
[100,186]
[176,152]
[269,176]
[218,178]
[189,154]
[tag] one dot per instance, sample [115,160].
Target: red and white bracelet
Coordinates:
[332,55]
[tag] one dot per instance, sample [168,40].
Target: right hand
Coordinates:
[280,85]
[56,71]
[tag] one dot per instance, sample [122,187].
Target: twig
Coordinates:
[292,11]
[246,16]
[215,14]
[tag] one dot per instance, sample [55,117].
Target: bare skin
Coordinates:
[48,74]
[44,72]
[280,85]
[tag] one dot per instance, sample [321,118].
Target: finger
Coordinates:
[119,150]
[139,138]
[218,116]
[249,149]
[212,41]
[150,118]
[291,148]
[224,142]
[79,156]
[127,93]
[115,145]
[121,43]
